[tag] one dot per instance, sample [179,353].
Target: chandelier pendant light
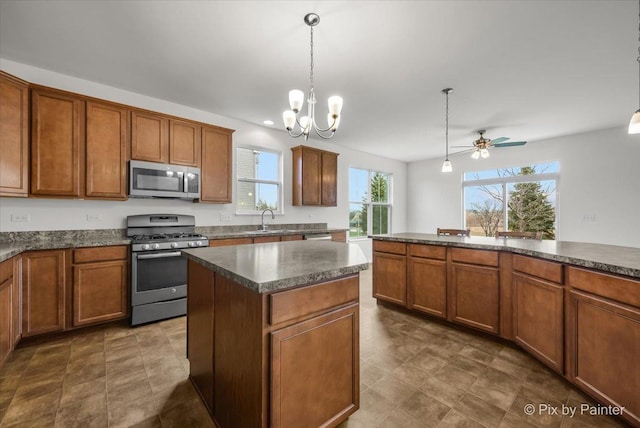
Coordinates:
[446,165]
[297,126]
[634,124]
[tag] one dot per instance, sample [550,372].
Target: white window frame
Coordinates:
[505,181]
[279,182]
[389,203]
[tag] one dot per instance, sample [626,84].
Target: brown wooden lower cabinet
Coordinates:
[329,385]
[100,278]
[6,309]
[474,296]
[427,286]
[284,359]
[390,277]
[43,291]
[538,310]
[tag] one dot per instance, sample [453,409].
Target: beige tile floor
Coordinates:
[414,373]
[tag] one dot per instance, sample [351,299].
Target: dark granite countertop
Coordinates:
[14,243]
[608,258]
[281,265]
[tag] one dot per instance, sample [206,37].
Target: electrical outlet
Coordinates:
[20,217]
[589,217]
[94,217]
[226,217]
[311,216]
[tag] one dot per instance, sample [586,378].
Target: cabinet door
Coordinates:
[329,178]
[14,136]
[538,319]
[474,296]
[57,143]
[99,292]
[6,306]
[43,292]
[106,151]
[184,143]
[390,277]
[604,346]
[149,137]
[216,166]
[427,286]
[303,367]
[311,177]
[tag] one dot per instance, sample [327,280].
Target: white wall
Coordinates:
[599,175]
[52,214]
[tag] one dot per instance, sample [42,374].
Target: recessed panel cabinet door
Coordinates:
[427,286]
[99,292]
[57,143]
[149,137]
[390,277]
[14,136]
[43,292]
[474,296]
[315,362]
[329,179]
[184,143]
[106,155]
[216,165]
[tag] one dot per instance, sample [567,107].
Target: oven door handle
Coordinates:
[159,255]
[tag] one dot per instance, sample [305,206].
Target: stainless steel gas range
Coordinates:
[158,270]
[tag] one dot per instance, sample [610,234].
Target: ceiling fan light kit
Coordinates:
[446,165]
[302,126]
[634,124]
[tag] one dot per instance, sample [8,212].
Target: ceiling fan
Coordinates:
[482,145]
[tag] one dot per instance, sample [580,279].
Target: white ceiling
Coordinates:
[528,70]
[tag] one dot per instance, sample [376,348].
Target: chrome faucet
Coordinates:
[273,217]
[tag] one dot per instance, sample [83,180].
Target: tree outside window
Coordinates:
[370,202]
[530,195]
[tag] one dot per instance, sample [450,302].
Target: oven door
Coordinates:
[150,179]
[158,276]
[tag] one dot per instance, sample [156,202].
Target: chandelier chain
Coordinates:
[311,71]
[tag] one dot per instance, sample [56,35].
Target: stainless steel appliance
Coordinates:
[158,270]
[160,180]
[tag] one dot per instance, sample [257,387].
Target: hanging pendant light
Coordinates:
[446,165]
[302,126]
[634,124]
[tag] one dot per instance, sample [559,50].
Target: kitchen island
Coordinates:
[574,306]
[272,332]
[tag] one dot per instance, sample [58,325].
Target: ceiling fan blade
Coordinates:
[499,140]
[510,143]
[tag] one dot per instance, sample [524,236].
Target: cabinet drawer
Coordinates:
[474,257]
[6,270]
[100,254]
[550,271]
[614,287]
[303,302]
[428,251]
[390,247]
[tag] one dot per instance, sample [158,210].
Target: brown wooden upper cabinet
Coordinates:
[215,173]
[57,143]
[14,136]
[157,138]
[107,145]
[149,137]
[315,177]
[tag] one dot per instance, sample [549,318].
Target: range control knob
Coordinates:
[174,245]
[145,246]
[156,246]
[200,243]
[192,244]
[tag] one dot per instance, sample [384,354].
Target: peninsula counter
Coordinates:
[574,306]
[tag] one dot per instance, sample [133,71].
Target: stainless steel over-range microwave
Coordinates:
[160,180]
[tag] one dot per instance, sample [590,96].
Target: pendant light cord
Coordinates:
[446,134]
[638,53]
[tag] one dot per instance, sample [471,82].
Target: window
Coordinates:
[369,192]
[259,180]
[520,198]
